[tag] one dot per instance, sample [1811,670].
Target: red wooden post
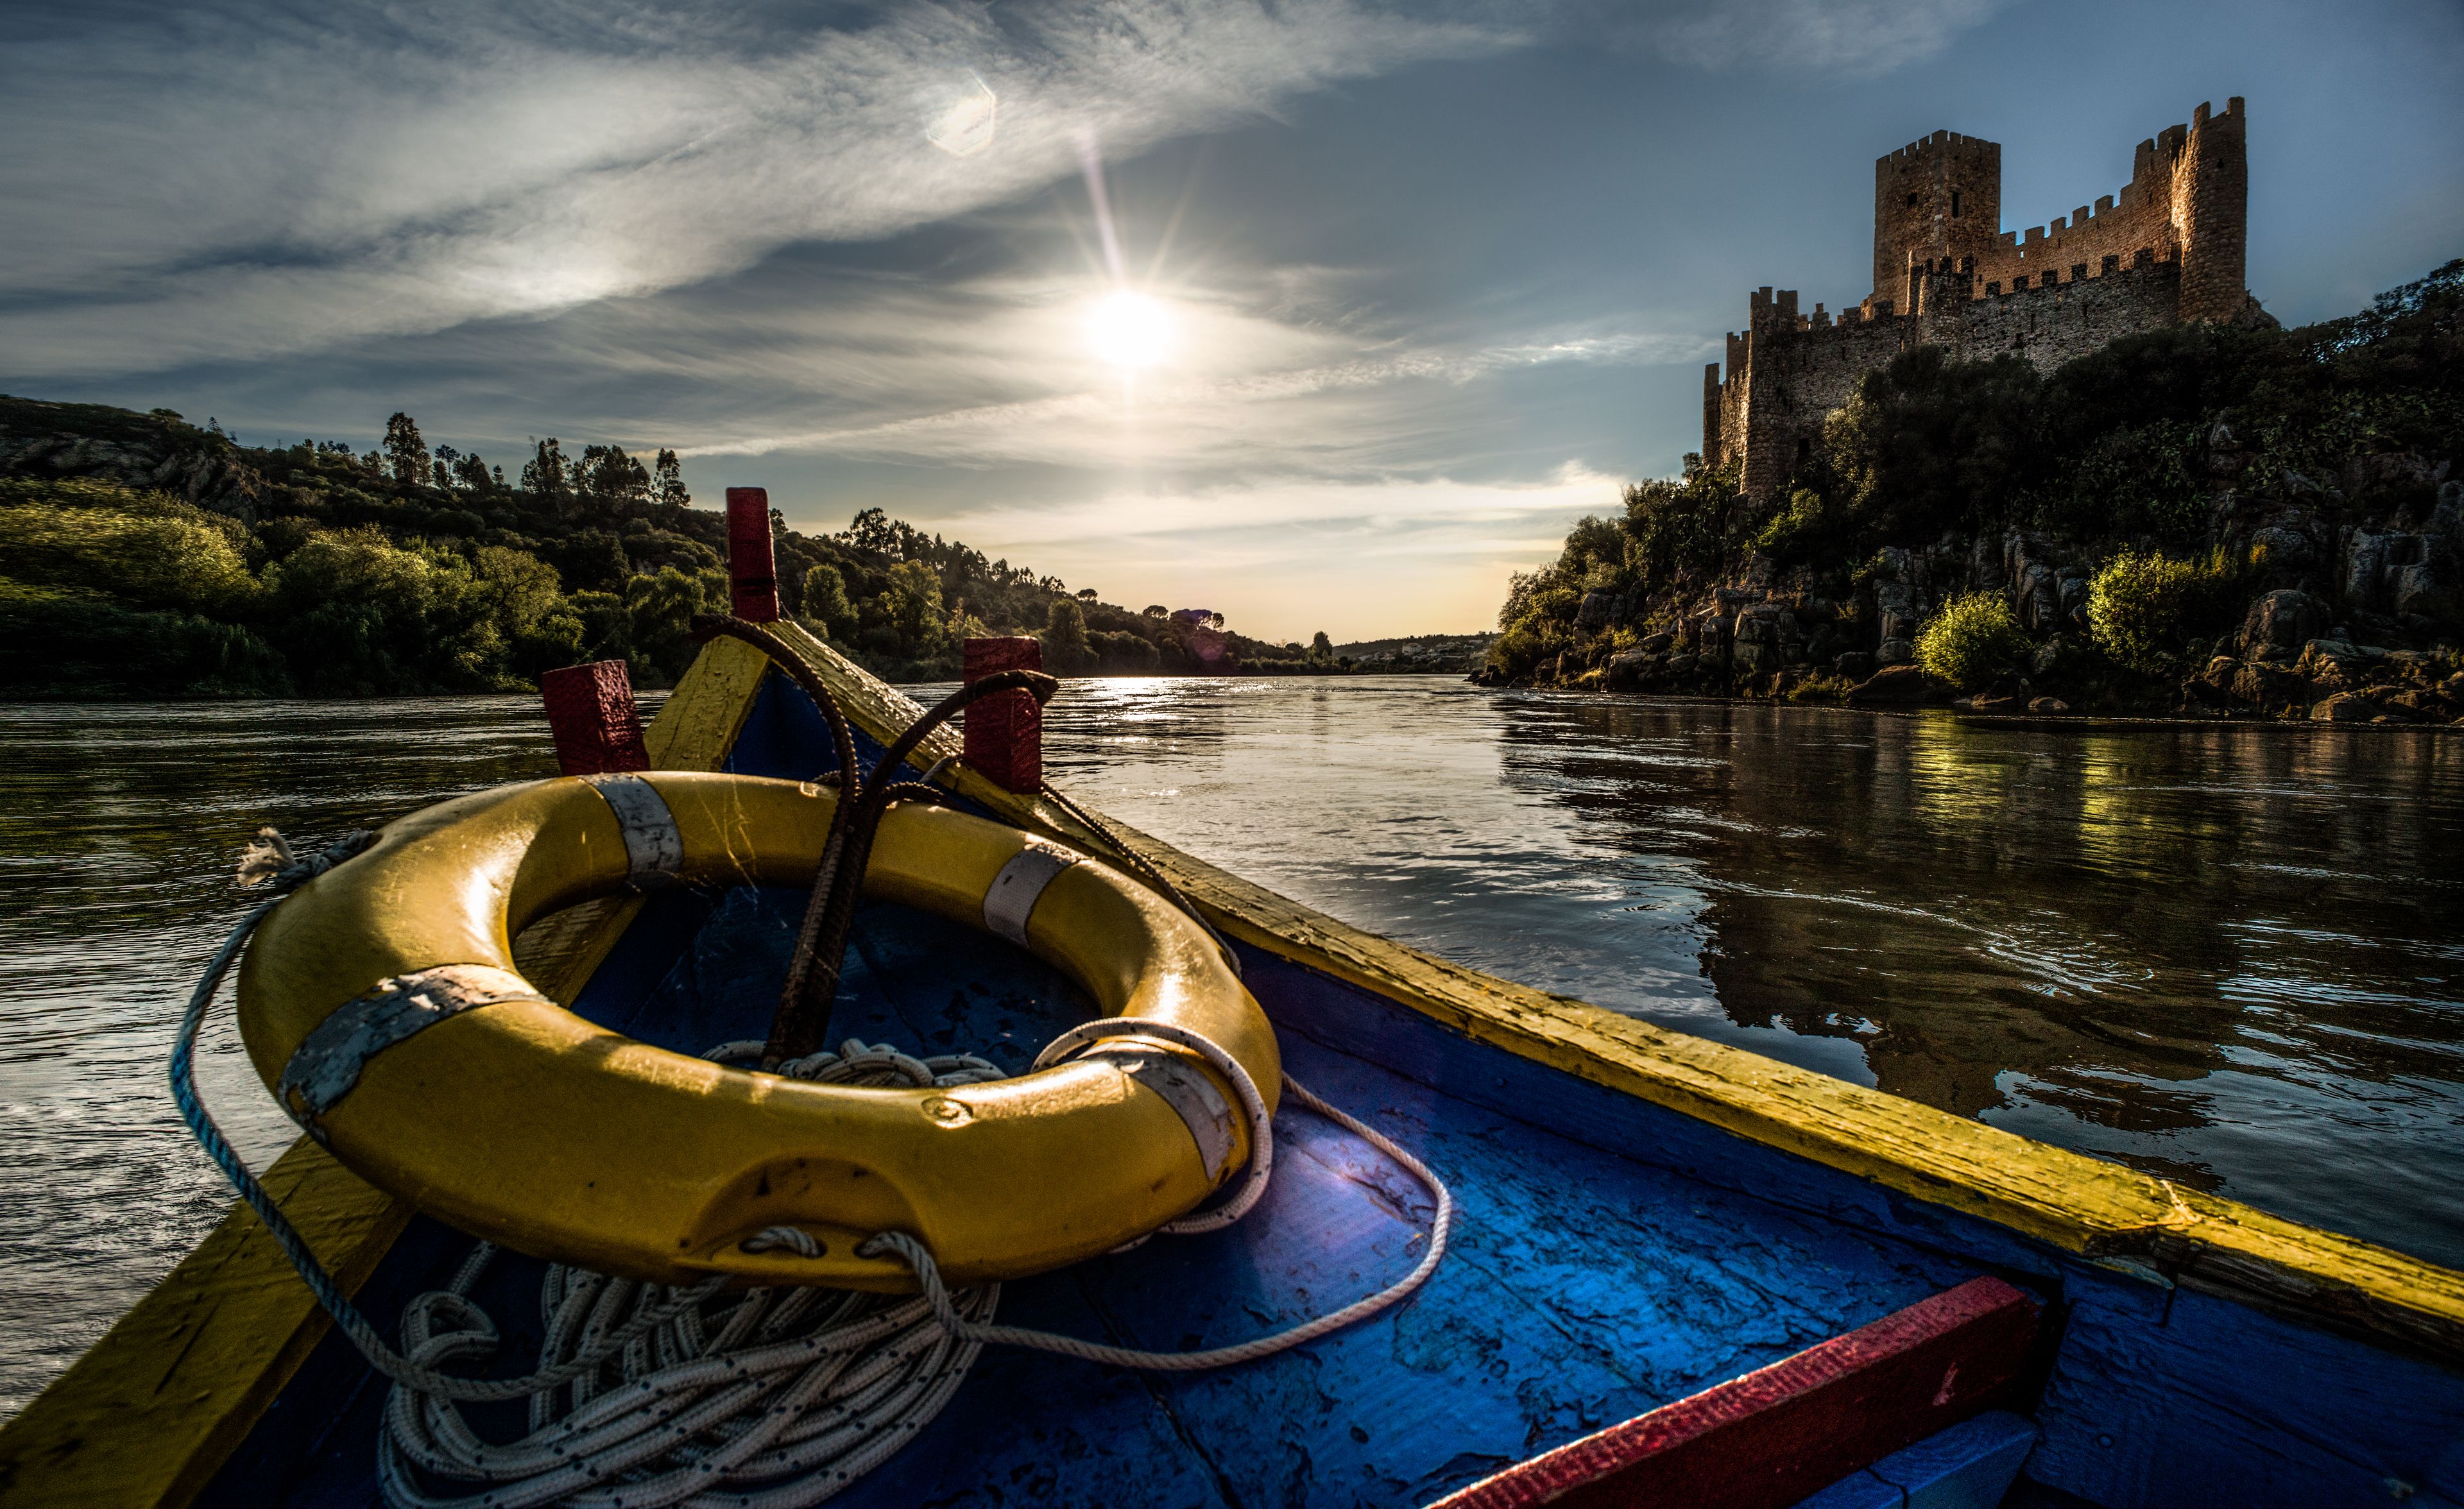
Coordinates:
[590,709]
[1005,730]
[750,565]
[1771,1439]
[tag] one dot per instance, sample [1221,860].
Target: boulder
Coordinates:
[2049,707]
[2331,662]
[1855,665]
[2287,549]
[1596,611]
[1892,685]
[2365,565]
[1753,660]
[2416,591]
[1628,669]
[2072,581]
[2270,687]
[2343,706]
[1681,665]
[1755,629]
[1657,644]
[1895,651]
[2279,623]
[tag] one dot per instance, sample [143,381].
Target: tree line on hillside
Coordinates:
[142,556]
[2177,472]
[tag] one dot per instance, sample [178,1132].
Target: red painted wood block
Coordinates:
[590,709]
[1005,730]
[751,567]
[1769,1440]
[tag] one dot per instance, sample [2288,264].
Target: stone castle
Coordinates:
[2167,249]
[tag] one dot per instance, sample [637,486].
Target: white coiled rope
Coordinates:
[780,1397]
[646,1395]
[769,1397]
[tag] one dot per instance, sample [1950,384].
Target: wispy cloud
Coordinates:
[245,189]
[1858,39]
[1254,393]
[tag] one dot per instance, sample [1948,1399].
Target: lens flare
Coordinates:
[1132,331]
[965,125]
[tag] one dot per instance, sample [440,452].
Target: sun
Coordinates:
[1130,330]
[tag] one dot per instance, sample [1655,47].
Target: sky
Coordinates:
[1321,313]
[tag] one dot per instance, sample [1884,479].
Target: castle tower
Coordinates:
[1935,200]
[2212,208]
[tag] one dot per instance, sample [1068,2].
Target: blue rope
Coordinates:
[292,875]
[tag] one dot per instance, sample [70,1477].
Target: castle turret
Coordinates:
[1934,201]
[2212,207]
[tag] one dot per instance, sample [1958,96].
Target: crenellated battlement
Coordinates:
[2166,249]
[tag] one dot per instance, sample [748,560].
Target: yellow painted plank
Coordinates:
[153,1409]
[148,1414]
[2074,1202]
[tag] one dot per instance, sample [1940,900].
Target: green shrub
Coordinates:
[145,549]
[2138,604]
[1970,640]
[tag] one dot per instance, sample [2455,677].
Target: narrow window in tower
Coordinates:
[1955,204]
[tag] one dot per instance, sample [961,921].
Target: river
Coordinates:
[2232,954]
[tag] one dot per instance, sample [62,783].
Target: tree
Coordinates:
[405,450]
[1086,594]
[606,471]
[912,608]
[670,487]
[472,473]
[1065,650]
[1155,610]
[1321,651]
[826,601]
[544,475]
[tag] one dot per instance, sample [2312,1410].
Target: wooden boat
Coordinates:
[1680,1274]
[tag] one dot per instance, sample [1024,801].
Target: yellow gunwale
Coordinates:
[125,1427]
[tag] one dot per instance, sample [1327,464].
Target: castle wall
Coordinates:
[2051,325]
[2167,249]
[2187,197]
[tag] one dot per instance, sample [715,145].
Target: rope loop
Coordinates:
[919,1258]
[270,861]
[1261,1126]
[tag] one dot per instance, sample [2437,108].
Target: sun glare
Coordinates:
[1130,330]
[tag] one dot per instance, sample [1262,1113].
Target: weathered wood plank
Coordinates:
[149,1413]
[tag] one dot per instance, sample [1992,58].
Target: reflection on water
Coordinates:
[2227,954]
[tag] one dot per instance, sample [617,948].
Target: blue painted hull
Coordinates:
[1611,1256]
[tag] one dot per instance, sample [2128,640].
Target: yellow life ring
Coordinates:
[525,1124]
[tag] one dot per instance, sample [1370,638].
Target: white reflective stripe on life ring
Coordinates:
[654,851]
[1019,885]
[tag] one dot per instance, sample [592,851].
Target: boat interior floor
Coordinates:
[1583,1286]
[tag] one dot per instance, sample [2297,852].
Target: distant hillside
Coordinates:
[142,556]
[2208,520]
[1416,653]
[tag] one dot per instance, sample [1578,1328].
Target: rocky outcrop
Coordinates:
[2357,592]
[152,452]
